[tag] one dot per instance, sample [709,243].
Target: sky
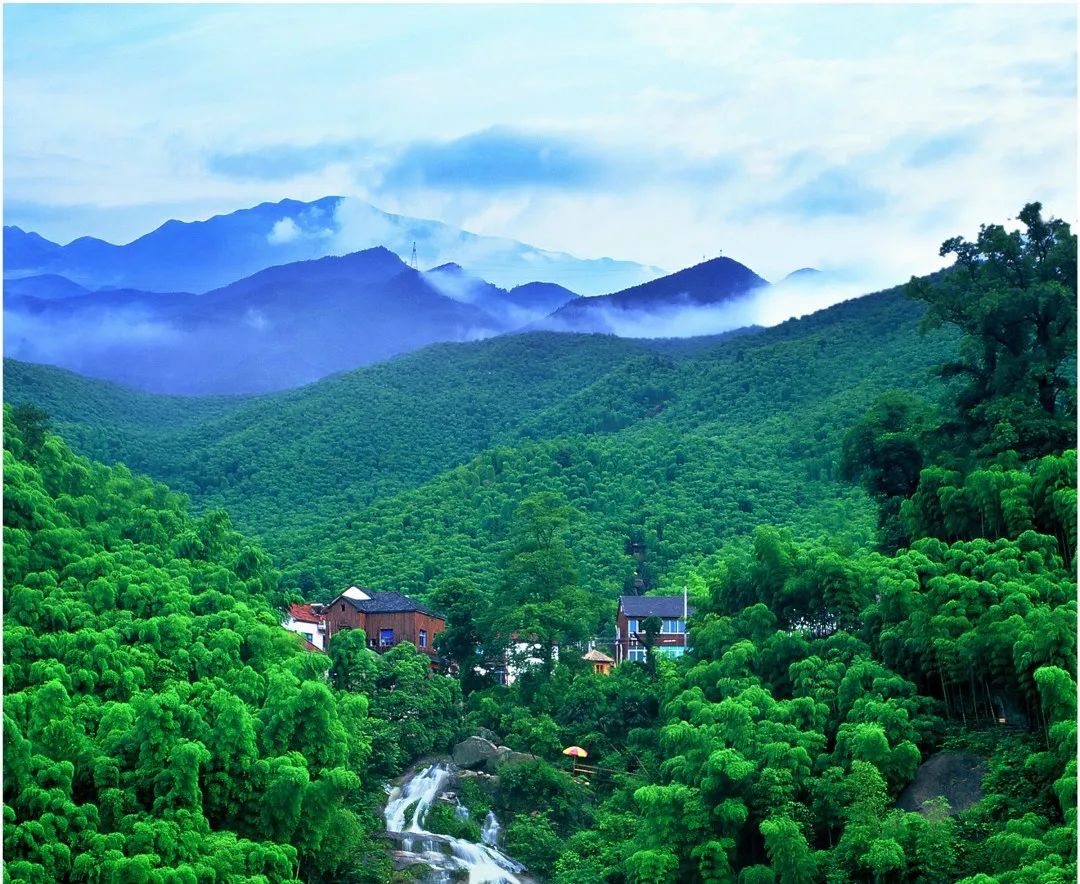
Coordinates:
[849,138]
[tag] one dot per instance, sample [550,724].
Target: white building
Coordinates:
[307,620]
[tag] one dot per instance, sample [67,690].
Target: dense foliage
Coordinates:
[1013,294]
[821,676]
[159,724]
[281,462]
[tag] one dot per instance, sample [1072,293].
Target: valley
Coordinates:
[521,443]
[878,576]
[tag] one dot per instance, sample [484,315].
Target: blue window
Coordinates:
[636,654]
[386,638]
[675,651]
[674,627]
[632,625]
[423,638]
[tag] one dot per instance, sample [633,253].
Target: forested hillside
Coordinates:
[876,527]
[822,675]
[410,471]
[283,461]
[159,725]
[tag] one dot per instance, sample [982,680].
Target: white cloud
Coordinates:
[283,231]
[794,92]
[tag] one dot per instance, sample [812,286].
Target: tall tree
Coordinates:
[1012,294]
[466,609]
[541,601]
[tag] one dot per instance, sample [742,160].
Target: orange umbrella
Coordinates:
[575,751]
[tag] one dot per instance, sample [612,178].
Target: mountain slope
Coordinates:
[198,256]
[404,472]
[346,440]
[46,286]
[679,457]
[651,309]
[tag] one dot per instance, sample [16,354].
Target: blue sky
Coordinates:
[853,138]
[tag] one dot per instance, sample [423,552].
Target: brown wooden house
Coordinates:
[387,618]
[634,610]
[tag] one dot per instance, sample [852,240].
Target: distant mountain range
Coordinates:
[140,314]
[290,325]
[281,327]
[199,256]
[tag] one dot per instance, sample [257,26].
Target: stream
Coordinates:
[449,858]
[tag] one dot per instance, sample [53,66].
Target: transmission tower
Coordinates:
[412,260]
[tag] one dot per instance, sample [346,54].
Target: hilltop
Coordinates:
[698,297]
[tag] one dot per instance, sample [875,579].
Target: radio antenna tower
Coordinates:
[412,260]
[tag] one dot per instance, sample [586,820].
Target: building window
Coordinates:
[386,638]
[636,654]
[671,651]
[423,638]
[308,636]
[632,626]
[674,627]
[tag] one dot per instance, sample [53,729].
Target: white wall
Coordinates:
[317,631]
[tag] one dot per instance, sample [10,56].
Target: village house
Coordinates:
[307,620]
[387,618]
[634,610]
[601,662]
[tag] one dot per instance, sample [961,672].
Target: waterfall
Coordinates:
[484,863]
[421,790]
[489,832]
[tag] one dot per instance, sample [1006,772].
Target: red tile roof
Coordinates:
[305,614]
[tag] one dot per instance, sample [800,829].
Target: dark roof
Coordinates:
[389,603]
[652,605]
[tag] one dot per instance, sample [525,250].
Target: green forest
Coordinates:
[410,472]
[872,508]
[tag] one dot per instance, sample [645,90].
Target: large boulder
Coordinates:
[475,752]
[505,754]
[954,776]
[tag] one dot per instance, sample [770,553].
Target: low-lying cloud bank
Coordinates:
[767,306]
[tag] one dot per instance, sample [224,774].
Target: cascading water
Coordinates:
[445,855]
[489,832]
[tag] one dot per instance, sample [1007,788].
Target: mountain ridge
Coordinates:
[289,324]
[282,327]
[205,254]
[348,444]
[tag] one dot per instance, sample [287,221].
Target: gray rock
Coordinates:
[954,776]
[487,734]
[474,752]
[505,754]
[486,780]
